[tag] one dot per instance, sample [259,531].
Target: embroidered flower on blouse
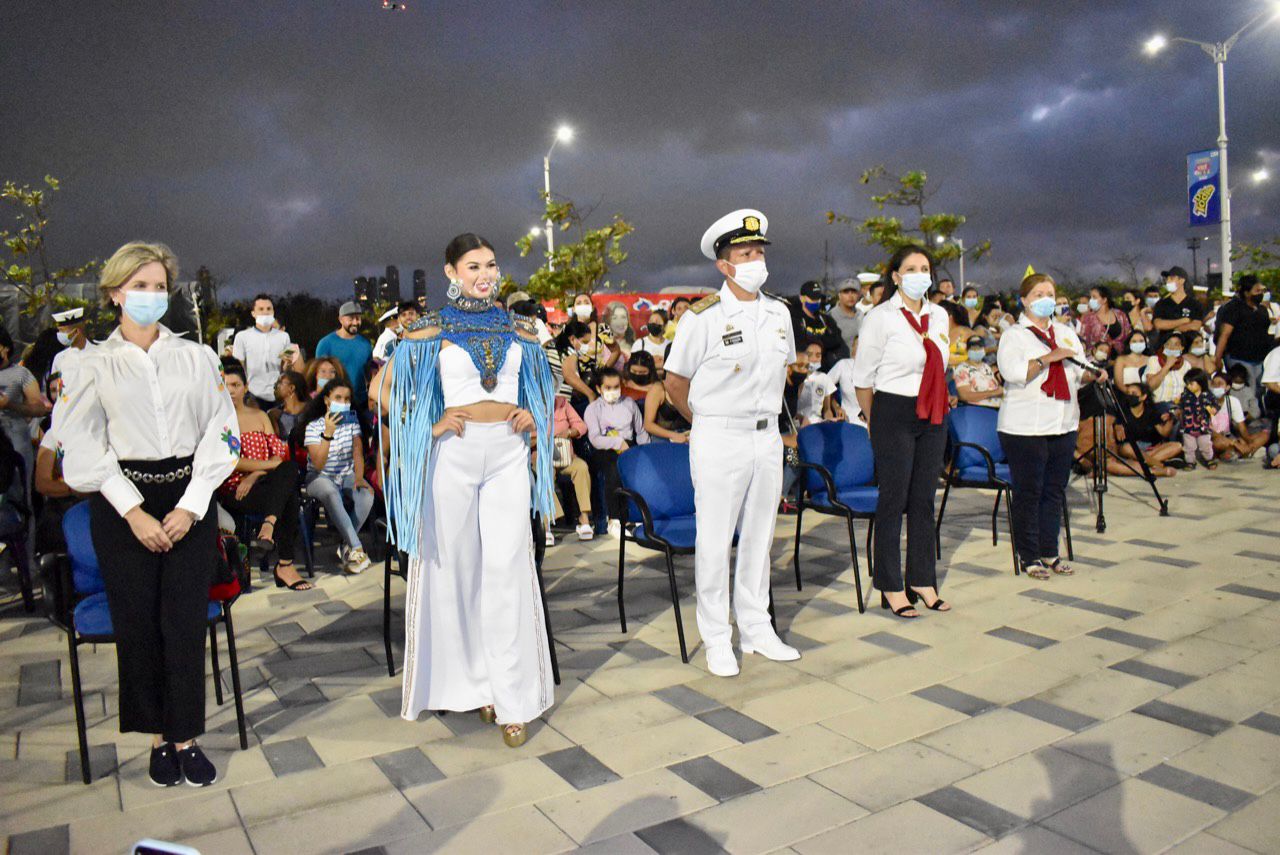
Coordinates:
[232,441]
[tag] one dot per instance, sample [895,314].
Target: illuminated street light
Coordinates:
[564,134]
[1155,44]
[941,240]
[1261,175]
[535,231]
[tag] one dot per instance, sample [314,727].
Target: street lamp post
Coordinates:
[1218,52]
[564,133]
[959,242]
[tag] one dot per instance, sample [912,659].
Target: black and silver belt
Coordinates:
[156,477]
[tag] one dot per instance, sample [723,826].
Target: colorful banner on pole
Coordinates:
[1204,188]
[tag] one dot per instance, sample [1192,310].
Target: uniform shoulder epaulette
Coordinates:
[525,327]
[705,303]
[770,294]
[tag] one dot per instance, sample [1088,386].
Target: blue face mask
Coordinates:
[321,382]
[916,285]
[977,355]
[1043,307]
[145,308]
[339,407]
[813,306]
[971,302]
[1094,304]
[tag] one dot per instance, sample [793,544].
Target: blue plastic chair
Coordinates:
[838,478]
[77,601]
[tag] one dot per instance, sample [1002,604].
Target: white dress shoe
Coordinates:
[721,661]
[771,647]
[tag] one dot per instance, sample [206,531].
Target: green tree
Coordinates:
[1261,259]
[28,266]
[581,265]
[911,192]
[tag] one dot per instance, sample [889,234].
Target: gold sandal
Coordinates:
[1037,570]
[1060,567]
[488,714]
[515,735]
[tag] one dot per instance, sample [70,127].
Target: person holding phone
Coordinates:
[335,469]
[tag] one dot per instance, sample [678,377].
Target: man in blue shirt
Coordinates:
[353,350]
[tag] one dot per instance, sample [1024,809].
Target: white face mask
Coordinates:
[1170,286]
[750,275]
[265,321]
[916,285]
[1218,392]
[64,339]
[611,396]
[815,365]
[1198,349]
[582,312]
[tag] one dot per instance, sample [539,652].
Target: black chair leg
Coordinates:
[995,511]
[675,603]
[622,552]
[234,662]
[23,563]
[857,576]
[937,531]
[77,694]
[796,551]
[546,617]
[213,660]
[308,532]
[386,613]
[1013,541]
[871,555]
[1066,527]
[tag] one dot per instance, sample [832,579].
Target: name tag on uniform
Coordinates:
[732,337]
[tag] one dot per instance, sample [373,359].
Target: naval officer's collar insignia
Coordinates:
[705,303]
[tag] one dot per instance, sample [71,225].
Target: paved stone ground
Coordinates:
[1132,708]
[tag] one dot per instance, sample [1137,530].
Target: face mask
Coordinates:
[1063,309]
[655,329]
[971,302]
[1100,355]
[750,275]
[1172,354]
[265,321]
[618,325]
[1081,308]
[64,339]
[1170,287]
[1151,302]
[1266,296]
[1237,386]
[146,307]
[584,350]
[321,382]
[1042,307]
[1218,392]
[1094,304]
[813,306]
[640,379]
[338,407]
[1137,346]
[916,285]
[582,312]
[977,355]
[611,396]
[815,365]
[1198,349]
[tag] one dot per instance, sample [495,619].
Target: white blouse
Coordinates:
[460,379]
[1027,410]
[126,403]
[890,355]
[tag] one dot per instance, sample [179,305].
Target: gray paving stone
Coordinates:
[1094,561]
[333,607]
[1153,672]
[977,569]
[1253,553]
[639,650]
[102,763]
[370,850]
[39,682]
[463,723]
[1150,544]
[285,633]
[830,606]
[1053,714]
[974,812]
[586,660]
[1262,531]
[1170,560]
[579,767]
[678,837]
[1021,636]
[713,778]
[1110,633]
[408,767]
[733,723]
[291,755]
[321,665]
[295,598]
[801,642]
[1209,725]
[953,699]
[388,700]
[1248,591]
[896,643]
[55,840]
[1264,721]
[296,693]
[1049,596]
[1104,609]
[1092,538]
[1197,787]
[687,700]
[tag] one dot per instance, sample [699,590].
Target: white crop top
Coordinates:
[460,378]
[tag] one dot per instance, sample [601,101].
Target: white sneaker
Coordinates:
[358,561]
[615,528]
[586,532]
[771,647]
[721,661]
[551,538]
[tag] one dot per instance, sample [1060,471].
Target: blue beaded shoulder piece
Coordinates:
[485,333]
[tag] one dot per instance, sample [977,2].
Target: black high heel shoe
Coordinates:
[936,605]
[902,612]
[300,585]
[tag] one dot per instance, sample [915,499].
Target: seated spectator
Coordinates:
[56,497]
[976,381]
[1197,353]
[568,427]
[265,483]
[655,335]
[641,374]
[1103,322]
[841,375]
[1146,312]
[1134,355]
[679,306]
[1198,408]
[323,370]
[1102,354]
[662,421]
[959,332]
[335,470]
[577,348]
[1270,383]
[1152,430]
[1166,371]
[789,427]
[614,424]
[291,400]
[813,400]
[1231,436]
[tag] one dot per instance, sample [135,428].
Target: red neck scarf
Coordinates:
[931,403]
[1055,385]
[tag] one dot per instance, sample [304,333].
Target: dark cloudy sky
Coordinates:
[291,144]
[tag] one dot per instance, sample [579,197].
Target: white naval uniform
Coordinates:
[735,356]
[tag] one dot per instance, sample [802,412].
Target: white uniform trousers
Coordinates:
[474,628]
[737,484]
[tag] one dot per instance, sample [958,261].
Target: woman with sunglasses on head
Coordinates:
[467,392]
[149,428]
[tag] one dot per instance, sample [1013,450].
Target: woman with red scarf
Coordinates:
[899,378]
[1038,423]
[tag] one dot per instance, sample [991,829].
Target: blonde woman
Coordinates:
[149,428]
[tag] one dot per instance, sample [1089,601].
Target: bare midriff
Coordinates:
[483,412]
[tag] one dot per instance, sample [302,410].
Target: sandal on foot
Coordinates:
[515,735]
[938,605]
[899,612]
[1036,570]
[263,544]
[300,585]
[1058,566]
[488,714]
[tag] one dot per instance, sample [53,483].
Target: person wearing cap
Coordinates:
[725,373]
[71,335]
[390,322]
[259,350]
[1177,311]
[810,319]
[845,312]
[346,345]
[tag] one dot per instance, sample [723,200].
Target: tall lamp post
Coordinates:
[564,134]
[1218,52]
[959,242]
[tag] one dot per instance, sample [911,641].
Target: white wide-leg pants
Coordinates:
[737,484]
[474,630]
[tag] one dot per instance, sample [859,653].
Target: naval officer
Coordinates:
[725,373]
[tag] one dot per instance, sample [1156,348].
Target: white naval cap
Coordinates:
[389,314]
[868,278]
[69,316]
[746,225]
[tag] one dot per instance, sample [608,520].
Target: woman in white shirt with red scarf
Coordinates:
[1038,423]
[899,378]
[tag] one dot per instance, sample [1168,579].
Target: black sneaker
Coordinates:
[196,767]
[166,771]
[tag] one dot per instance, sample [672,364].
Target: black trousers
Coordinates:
[159,609]
[605,462]
[1039,467]
[275,494]
[908,453]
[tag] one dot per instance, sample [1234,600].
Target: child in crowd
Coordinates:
[335,468]
[1198,409]
[1231,436]
[614,424]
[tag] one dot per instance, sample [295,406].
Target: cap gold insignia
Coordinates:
[752,223]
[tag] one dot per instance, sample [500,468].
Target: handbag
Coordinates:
[562,454]
[230,572]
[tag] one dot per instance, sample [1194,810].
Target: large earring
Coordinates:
[455,289]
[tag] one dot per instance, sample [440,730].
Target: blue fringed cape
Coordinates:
[417,403]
